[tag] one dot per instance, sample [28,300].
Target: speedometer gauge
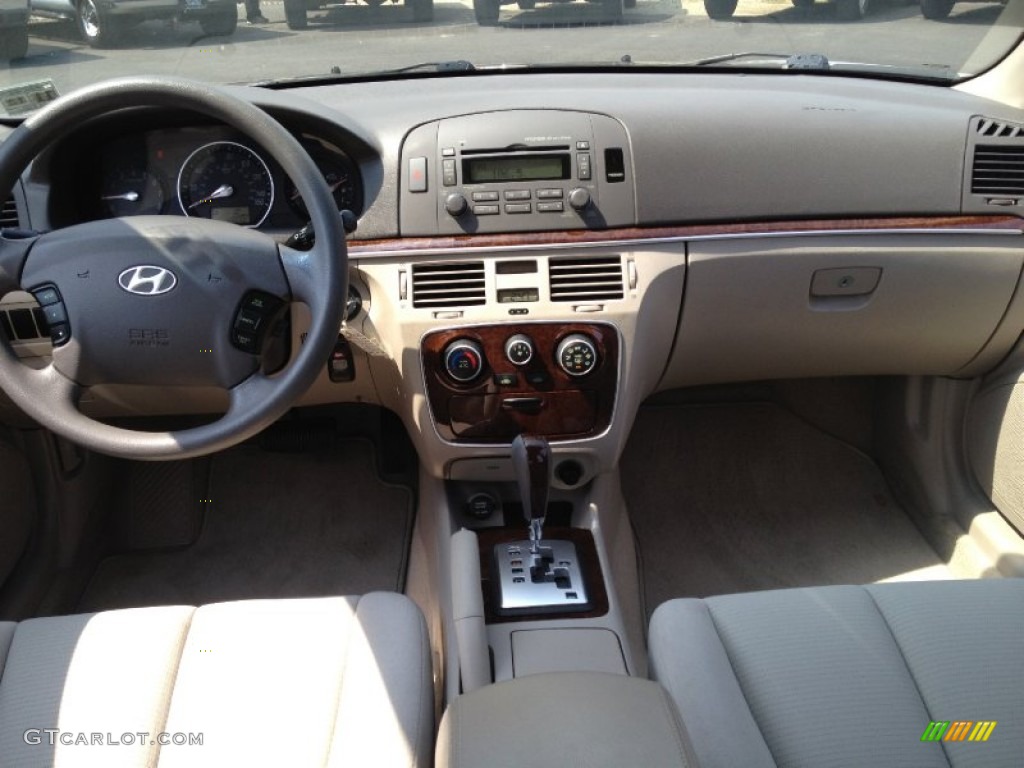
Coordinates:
[226,181]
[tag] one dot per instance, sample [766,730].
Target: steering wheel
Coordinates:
[169,300]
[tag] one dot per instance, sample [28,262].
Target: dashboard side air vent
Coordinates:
[994,171]
[456,284]
[9,213]
[998,170]
[593,278]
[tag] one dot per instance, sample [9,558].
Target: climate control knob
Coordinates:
[519,349]
[577,354]
[463,360]
[456,204]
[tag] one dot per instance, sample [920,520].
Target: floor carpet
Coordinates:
[744,497]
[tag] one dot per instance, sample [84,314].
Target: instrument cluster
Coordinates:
[208,172]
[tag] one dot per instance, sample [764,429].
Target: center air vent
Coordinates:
[998,170]
[595,278]
[448,285]
[9,214]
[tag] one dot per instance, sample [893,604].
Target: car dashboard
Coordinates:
[541,252]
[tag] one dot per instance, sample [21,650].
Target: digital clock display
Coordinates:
[517,295]
[480,170]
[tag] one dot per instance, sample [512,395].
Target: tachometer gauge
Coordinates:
[226,181]
[341,178]
[132,192]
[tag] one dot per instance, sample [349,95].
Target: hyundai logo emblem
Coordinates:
[145,280]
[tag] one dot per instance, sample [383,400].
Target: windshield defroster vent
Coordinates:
[998,129]
[998,170]
[596,278]
[458,284]
[9,213]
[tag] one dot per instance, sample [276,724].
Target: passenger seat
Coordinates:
[848,676]
[307,682]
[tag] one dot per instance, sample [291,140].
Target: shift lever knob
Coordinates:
[531,460]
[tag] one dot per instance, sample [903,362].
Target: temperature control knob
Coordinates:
[576,354]
[463,360]
[579,198]
[456,204]
[519,349]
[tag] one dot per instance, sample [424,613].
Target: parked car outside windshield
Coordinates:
[75,42]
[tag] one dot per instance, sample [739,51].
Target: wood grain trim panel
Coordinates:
[570,407]
[571,237]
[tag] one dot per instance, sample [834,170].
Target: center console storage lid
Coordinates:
[564,718]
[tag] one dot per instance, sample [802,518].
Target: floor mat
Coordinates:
[275,525]
[736,498]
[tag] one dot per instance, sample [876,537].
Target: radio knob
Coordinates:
[456,204]
[576,355]
[579,198]
[519,349]
[463,360]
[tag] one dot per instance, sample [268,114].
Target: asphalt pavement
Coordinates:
[358,38]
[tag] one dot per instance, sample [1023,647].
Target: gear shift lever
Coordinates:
[540,575]
[531,459]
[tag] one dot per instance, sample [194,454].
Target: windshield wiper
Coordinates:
[336,74]
[815,61]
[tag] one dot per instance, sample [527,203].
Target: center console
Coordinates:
[490,383]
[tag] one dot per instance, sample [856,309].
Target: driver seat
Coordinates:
[305,682]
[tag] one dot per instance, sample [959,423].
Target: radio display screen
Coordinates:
[480,170]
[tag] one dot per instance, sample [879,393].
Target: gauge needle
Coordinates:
[224,190]
[131,197]
[331,187]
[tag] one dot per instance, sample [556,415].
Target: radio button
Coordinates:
[486,210]
[448,152]
[518,194]
[583,165]
[518,208]
[448,173]
[485,197]
[550,207]
[550,194]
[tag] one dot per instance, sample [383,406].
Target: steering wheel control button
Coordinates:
[252,319]
[576,355]
[519,349]
[463,360]
[47,295]
[249,320]
[52,314]
[55,313]
[60,333]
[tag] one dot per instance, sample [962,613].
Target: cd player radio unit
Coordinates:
[516,171]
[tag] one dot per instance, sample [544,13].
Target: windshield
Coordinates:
[50,47]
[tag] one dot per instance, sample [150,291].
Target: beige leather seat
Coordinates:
[312,682]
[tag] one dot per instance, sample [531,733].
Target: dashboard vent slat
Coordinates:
[9,213]
[998,170]
[999,129]
[448,285]
[597,278]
